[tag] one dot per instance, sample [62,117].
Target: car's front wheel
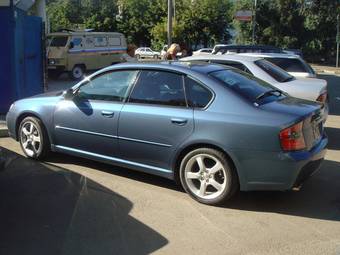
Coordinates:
[207,176]
[33,138]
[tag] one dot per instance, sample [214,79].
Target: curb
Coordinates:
[3,130]
[326,70]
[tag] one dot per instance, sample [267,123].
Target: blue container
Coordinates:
[21,68]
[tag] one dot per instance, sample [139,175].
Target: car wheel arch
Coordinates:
[29,114]
[185,150]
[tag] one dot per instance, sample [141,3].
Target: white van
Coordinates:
[76,52]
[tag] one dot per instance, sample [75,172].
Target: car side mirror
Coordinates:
[71,46]
[68,94]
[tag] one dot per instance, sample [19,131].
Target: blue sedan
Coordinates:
[213,129]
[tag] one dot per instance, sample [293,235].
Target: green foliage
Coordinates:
[309,25]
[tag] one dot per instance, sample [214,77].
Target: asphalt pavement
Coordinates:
[68,205]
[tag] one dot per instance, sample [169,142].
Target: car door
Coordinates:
[148,53]
[155,120]
[88,122]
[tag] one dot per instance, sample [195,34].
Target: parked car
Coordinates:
[234,48]
[292,64]
[305,88]
[213,128]
[145,52]
[76,52]
[203,51]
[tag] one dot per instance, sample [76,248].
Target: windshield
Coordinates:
[59,41]
[243,84]
[291,64]
[274,71]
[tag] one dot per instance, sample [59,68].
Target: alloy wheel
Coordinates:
[205,176]
[30,138]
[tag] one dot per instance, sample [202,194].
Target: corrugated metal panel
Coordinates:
[21,71]
[7,91]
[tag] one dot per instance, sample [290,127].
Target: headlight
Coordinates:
[52,61]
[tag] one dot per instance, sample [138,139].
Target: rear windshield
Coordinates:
[242,83]
[59,41]
[275,72]
[291,64]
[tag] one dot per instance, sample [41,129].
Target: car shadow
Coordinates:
[120,171]
[333,138]
[45,209]
[318,198]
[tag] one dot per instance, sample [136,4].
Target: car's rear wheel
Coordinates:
[33,138]
[155,56]
[207,176]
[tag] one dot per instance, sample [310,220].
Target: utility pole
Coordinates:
[337,40]
[169,22]
[254,21]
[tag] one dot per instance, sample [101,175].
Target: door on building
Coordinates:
[33,57]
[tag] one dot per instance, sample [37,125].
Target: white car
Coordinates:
[306,88]
[145,52]
[293,64]
[203,51]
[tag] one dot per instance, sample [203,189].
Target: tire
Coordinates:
[138,56]
[155,56]
[33,138]
[203,185]
[77,72]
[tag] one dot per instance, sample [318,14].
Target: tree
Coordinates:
[200,22]
[138,17]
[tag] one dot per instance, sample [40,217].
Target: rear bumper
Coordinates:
[280,171]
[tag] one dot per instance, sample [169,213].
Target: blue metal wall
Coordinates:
[21,71]
[7,91]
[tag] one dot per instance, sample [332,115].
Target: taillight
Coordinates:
[292,138]
[322,98]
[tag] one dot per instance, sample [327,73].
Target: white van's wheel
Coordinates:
[77,72]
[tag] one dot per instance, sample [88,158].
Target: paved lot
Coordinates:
[68,205]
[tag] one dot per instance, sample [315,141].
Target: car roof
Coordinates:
[82,33]
[232,57]
[270,55]
[179,66]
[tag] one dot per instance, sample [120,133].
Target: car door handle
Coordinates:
[108,114]
[180,122]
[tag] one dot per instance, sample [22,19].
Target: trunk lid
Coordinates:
[311,113]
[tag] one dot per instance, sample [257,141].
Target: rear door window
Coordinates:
[159,87]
